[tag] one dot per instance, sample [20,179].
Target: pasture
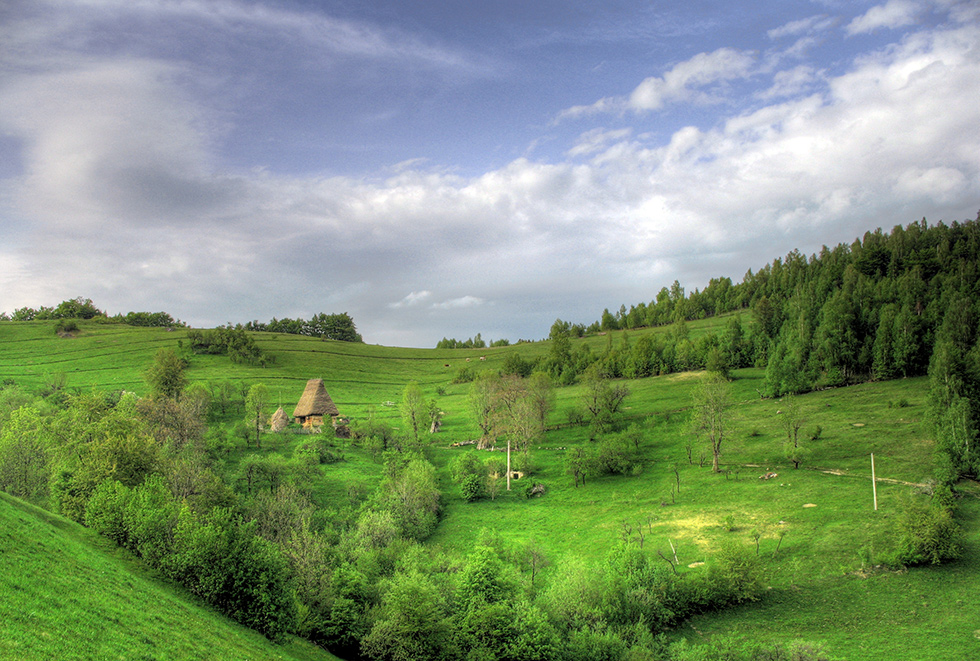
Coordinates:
[815,526]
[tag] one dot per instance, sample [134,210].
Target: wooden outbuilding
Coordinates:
[315,405]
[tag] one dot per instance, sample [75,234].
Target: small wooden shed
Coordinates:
[314,405]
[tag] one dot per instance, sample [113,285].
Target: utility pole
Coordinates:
[874,482]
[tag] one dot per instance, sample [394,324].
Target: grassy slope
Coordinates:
[69,594]
[815,595]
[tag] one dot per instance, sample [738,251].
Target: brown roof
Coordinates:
[315,401]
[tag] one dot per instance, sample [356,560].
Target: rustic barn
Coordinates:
[279,420]
[314,405]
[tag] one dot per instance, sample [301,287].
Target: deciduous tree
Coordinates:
[711,417]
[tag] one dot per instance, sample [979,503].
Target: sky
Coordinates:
[442,169]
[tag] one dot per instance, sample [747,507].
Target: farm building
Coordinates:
[314,405]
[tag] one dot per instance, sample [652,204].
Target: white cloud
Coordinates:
[792,83]
[698,80]
[803,26]
[412,299]
[685,80]
[128,200]
[242,22]
[941,184]
[596,140]
[893,14]
[461,302]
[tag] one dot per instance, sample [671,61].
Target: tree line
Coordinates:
[84,308]
[326,326]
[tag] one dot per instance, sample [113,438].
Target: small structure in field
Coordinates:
[279,421]
[315,405]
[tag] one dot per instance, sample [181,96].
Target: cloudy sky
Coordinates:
[445,168]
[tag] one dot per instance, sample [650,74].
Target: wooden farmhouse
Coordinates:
[315,405]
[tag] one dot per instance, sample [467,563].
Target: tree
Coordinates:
[481,402]
[166,376]
[410,493]
[580,463]
[25,461]
[793,420]
[711,414]
[542,394]
[603,400]
[410,624]
[560,356]
[255,402]
[414,411]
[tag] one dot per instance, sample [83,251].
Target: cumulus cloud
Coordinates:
[126,195]
[412,299]
[697,80]
[596,140]
[893,14]
[688,80]
[461,302]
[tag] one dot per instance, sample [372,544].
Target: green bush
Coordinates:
[472,487]
[927,534]
[66,326]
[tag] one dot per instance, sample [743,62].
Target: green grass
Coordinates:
[66,593]
[818,591]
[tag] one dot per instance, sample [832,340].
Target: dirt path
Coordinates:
[888,480]
[841,473]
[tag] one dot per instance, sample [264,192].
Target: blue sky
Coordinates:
[452,168]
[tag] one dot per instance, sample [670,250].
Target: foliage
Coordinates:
[25,455]
[166,376]
[472,343]
[338,327]
[255,403]
[603,400]
[711,416]
[414,410]
[410,493]
[928,534]
[235,342]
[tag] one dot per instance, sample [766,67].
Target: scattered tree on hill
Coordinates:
[603,400]
[711,417]
[255,403]
[414,410]
[793,420]
[166,376]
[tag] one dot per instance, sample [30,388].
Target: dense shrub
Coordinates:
[928,534]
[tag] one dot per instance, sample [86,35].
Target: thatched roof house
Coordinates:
[314,405]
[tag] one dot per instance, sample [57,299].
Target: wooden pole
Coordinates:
[874,482]
[508,465]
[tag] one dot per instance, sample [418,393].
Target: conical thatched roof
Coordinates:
[315,401]
[279,420]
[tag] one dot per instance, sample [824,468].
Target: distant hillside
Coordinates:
[67,593]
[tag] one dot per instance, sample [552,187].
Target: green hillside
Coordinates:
[68,593]
[821,586]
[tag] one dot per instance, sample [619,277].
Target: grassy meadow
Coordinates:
[823,583]
[68,593]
